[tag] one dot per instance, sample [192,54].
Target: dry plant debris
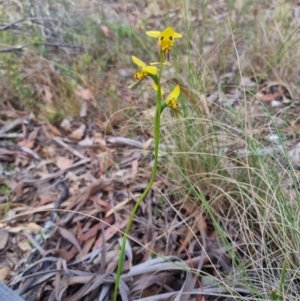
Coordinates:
[63,206]
[62,210]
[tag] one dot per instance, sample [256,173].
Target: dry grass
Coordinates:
[222,162]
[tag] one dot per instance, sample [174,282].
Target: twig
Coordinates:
[62,45]
[40,239]
[69,148]
[11,135]
[215,291]
[30,152]
[42,26]
[8,26]
[21,47]
[56,30]
[36,244]
[190,261]
[13,49]
[125,141]
[185,292]
[56,174]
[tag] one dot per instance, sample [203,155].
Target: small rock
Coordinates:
[87,141]
[66,124]
[273,138]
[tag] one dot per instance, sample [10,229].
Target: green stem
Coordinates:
[149,186]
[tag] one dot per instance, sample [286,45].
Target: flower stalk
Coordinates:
[171,101]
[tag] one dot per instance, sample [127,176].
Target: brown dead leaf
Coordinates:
[113,262]
[107,159]
[68,235]
[78,133]
[4,272]
[19,190]
[100,202]
[7,155]
[85,94]
[106,31]
[188,208]
[3,239]
[30,140]
[109,233]
[47,94]
[98,139]
[63,162]
[81,199]
[68,147]
[54,130]
[150,285]
[134,170]
[86,247]
[32,227]
[147,144]
[15,229]
[96,164]
[24,245]
[46,200]
[87,235]
[268,96]
[70,254]
[151,246]
[93,231]
[117,207]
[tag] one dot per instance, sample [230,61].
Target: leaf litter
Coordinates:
[65,208]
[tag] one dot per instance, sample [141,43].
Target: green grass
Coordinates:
[4,193]
[242,192]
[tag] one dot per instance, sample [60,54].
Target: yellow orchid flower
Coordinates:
[144,71]
[165,38]
[154,86]
[171,100]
